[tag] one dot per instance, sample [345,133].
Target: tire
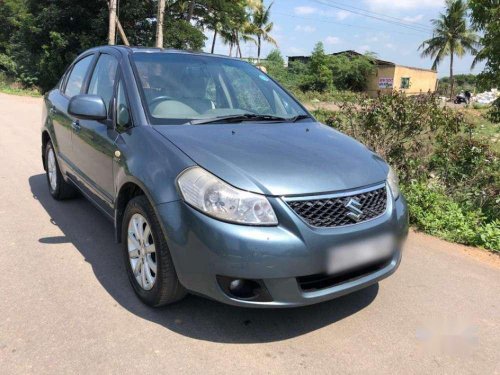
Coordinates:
[58,188]
[137,242]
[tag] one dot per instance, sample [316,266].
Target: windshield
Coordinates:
[179,88]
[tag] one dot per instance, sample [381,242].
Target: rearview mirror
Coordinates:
[90,107]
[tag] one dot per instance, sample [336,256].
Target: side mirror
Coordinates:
[90,107]
[123,116]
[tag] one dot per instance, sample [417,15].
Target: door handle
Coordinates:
[76,125]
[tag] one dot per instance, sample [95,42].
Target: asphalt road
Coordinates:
[66,305]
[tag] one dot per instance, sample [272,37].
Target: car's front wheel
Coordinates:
[58,188]
[147,258]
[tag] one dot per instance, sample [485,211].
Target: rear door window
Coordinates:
[77,76]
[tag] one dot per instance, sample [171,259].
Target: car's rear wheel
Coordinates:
[147,258]
[58,188]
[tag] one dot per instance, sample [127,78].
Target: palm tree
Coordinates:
[451,36]
[261,27]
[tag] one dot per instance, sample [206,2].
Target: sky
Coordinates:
[300,24]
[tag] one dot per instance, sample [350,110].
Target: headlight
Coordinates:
[393,181]
[216,198]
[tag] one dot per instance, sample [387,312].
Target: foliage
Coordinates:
[494,112]
[224,17]
[319,75]
[351,73]
[451,36]
[41,37]
[8,86]
[180,34]
[462,82]
[323,74]
[469,170]
[434,212]
[261,26]
[485,16]
[275,66]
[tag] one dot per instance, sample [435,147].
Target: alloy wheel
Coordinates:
[142,251]
[52,169]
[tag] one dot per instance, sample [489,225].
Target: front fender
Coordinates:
[150,162]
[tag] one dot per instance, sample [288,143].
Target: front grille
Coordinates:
[332,212]
[322,280]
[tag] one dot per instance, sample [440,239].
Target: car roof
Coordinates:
[136,49]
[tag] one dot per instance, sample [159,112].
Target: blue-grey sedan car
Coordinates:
[218,181]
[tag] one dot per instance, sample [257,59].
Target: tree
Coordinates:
[351,72]
[451,36]
[275,65]
[112,22]
[485,15]
[320,76]
[221,16]
[53,32]
[159,23]
[261,27]
[12,14]
[183,27]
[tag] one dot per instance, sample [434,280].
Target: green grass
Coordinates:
[484,129]
[7,86]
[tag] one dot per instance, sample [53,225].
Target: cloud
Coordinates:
[305,29]
[404,4]
[332,40]
[414,18]
[304,10]
[342,15]
[390,46]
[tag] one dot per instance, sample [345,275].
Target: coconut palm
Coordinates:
[260,25]
[451,36]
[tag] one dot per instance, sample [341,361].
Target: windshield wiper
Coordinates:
[298,117]
[241,118]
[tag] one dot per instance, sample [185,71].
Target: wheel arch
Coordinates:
[45,139]
[129,189]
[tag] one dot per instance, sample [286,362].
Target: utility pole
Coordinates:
[112,22]
[159,23]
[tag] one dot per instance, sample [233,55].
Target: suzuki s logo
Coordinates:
[354,206]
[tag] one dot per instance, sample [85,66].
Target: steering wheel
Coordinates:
[159,99]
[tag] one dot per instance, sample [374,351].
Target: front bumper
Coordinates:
[203,248]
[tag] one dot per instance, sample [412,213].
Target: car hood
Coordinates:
[279,158]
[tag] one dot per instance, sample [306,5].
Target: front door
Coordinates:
[94,141]
[58,108]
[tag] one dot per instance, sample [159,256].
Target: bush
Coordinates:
[494,113]
[434,212]
[469,170]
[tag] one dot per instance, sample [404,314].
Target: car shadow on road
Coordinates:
[92,235]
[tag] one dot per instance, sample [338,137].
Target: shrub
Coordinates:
[469,170]
[494,113]
[434,212]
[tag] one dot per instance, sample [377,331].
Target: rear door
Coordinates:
[94,141]
[58,107]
